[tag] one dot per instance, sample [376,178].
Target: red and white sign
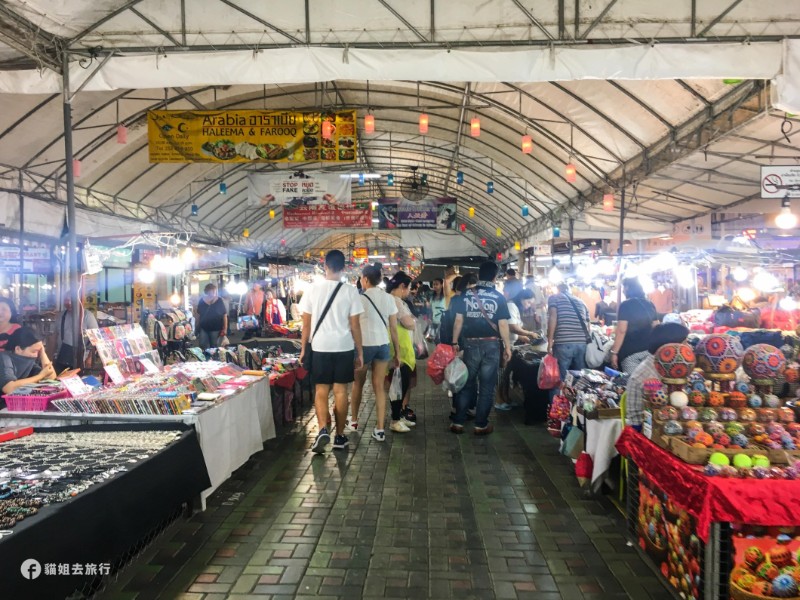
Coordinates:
[327,216]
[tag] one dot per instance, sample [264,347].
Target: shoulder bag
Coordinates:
[596,350]
[307,350]
[483,312]
[376,310]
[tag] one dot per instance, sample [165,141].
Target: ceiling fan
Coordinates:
[414,189]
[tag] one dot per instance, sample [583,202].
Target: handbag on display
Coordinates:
[560,408]
[597,350]
[307,352]
[574,443]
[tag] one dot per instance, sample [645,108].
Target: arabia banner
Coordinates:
[237,136]
[430,213]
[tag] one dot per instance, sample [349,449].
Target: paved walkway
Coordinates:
[427,514]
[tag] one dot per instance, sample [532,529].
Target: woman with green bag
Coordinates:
[403,418]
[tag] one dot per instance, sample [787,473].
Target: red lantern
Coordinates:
[608,202]
[527,144]
[483,241]
[76,168]
[122,134]
[423,123]
[463,227]
[475,127]
[369,124]
[571,173]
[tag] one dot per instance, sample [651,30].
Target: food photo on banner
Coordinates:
[309,199]
[428,213]
[242,136]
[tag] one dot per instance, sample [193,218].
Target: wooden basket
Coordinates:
[738,593]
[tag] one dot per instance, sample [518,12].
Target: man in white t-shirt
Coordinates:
[335,343]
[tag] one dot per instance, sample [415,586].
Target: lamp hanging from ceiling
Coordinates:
[471,212]
[390,179]
[195,210]
[122,134]
[786,219]
[475,127]
[463,227]
[460,177]
[483,242]
[608,202]
[271,213]
[570,171]
[525,210]
[246,232]
[490,187]
[517,245]
[76,168]
[369,123]
[527,144]
[423,123]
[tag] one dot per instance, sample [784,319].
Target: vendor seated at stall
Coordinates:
[24,361]
[667,333]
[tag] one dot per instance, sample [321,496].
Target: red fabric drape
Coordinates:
[766,502]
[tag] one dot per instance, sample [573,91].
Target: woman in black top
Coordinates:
[212,318]
[24,361]
[636,318]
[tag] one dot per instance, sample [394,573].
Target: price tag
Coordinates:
[75,386]
[115,374]
[149,365]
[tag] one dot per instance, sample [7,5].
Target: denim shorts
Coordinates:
[373,353]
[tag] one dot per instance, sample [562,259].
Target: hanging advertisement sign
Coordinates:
[430,213]
[298,189]
[35,260]
[243,136]
[780,181]
[330,216]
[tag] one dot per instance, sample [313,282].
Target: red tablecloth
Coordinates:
[767,502]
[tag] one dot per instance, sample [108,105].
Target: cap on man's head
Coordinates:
[667,333]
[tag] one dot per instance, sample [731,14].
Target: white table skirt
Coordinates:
[229,433]
[601,435]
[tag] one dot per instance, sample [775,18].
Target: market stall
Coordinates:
[79,501]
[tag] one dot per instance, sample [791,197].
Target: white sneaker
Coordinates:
[408,423]
[351,425]
[399,426]
[379,435]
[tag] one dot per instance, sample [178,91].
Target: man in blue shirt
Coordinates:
[482,321]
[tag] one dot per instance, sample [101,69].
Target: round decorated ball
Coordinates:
[763,361]
[759,460]
[704,439]
[739,440]
[679,399]
[734,428]
[707,414]
[714,428]
[755,401]
[780,556]
[697,398]
[747,415]
[786,415]
[747,581]
[792,374]
[772,401]
[688,413]
[723,439]
[667,413]
[737,399]
[767,415]
[742,461]
[726,414]
[761,588]
[675,361]
[784,586]
[658,397]
[753,557]
[712,470]
[719,354]
[673,428]
[719,459]
[767,570]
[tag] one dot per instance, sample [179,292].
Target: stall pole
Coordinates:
[621,243]
[21,243]
[72,239]
[571,243]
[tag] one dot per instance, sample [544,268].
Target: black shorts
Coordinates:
[333,367]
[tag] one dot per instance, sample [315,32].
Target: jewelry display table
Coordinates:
[230,432]
[104,525]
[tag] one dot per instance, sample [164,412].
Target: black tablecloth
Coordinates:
[287,345]
[102,524]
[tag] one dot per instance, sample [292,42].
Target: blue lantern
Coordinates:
[460,177]
[524,210]
[556,231]
[424,179]
[360,179]
[390,179]
[223,188]
[490,187]
[195,210]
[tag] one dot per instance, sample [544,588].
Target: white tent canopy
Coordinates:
[631,92]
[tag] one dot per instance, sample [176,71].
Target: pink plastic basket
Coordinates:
[32,403]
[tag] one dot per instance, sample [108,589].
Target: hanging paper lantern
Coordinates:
[122,134]
[517,246]
[369,124]
[423,123]
[76,168]
[223,188]
[463,227]
[498,232]
[423,179]
[571,173]
[471,212]
[719,354]
[271,214]
[460,177]
[608,202]
[763,361]
[556,231]
[195,210]
[675,362]
[490,187]
[527,144]
[246,232]
[360,179]
[499,256]
[483,241]
[327,130]
[475,127]
[524,210]
[390,179]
